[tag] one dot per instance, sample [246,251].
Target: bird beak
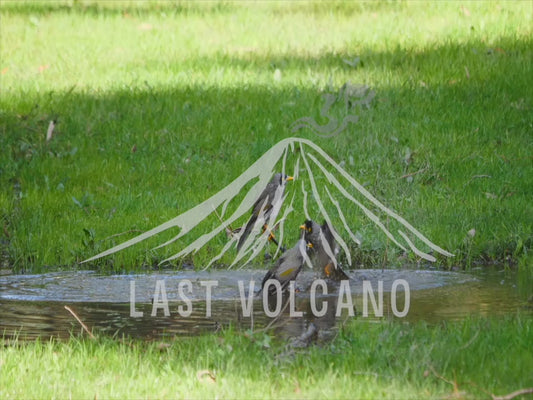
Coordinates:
[289,178]
[302,227]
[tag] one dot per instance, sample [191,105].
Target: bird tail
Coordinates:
[247,230]
[342,275]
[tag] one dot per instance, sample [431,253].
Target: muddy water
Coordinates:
[34,305]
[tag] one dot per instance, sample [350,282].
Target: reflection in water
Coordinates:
[33,306]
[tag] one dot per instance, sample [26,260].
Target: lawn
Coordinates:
[159,105]
[474,358]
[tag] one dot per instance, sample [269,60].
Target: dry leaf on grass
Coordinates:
[206,376]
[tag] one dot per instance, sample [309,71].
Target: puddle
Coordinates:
[33,305]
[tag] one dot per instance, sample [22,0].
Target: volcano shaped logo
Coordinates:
[318,167]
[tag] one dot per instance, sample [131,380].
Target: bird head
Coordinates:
[311,232]
[310,227]
[281,179]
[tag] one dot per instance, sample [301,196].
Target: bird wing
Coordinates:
[264,201]
[288,272]
[328,235]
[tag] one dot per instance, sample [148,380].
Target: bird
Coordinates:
[264,205]
[289,265]
[323,242]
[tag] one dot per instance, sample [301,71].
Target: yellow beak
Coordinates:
[289,178]
[303,227]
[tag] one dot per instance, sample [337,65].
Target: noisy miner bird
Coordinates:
[289,265]
[324,249]
[264,205]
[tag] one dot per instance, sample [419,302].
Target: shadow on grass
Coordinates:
[458,125]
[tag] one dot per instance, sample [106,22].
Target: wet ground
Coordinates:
[34,305]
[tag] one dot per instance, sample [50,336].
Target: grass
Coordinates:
[366,360]
[160,105]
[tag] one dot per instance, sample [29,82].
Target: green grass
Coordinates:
[160,105]
[366,360]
